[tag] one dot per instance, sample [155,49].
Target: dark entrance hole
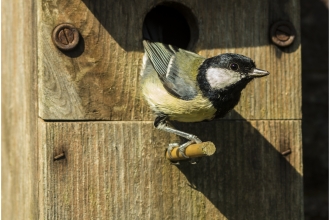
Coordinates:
[171,23]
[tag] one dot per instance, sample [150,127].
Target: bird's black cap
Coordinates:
[245,64]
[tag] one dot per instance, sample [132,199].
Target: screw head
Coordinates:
[65,36]
[282,33]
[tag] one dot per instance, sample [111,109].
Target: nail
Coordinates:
[65,36]
[59,157]
[286,152]
[282,33]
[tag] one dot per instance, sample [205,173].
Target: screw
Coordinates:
[282,33]
[286,152]
[60,156]
[65,36]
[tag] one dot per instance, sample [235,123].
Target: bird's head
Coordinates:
[227,70]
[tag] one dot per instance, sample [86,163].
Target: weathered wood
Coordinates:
[107,174]
[19,153]
[117,170]
[100,79]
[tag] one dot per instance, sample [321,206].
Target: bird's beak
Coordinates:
[258,73]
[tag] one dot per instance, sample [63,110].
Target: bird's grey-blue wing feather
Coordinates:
[177,79]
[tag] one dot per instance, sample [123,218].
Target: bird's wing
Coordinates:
[176,68]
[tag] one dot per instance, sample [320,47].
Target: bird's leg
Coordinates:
[160,123]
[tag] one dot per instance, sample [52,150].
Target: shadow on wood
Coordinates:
[248,177]
[219,22]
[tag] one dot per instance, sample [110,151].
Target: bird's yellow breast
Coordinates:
[160,101]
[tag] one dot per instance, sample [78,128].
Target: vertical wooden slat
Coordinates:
[19,154]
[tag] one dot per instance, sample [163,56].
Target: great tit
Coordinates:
[183,86]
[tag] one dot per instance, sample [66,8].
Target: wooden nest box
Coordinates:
[78,138]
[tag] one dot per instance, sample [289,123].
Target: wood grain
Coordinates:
[100,79]
[109,175]
[117,169]
[19,153]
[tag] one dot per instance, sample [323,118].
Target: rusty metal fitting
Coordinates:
[282,33]
[65,36]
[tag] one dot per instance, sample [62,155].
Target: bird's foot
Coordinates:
[182,148]
[193,139]
[170,148]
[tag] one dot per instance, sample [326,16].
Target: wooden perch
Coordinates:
[195,150]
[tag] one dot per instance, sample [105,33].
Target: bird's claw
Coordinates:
[183,147]
[170,148]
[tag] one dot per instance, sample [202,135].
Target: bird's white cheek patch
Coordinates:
[220,78]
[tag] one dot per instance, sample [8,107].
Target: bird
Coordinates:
[180,85]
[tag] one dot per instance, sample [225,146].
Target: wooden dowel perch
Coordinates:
[195,150]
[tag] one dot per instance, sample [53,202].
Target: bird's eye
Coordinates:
[234,66]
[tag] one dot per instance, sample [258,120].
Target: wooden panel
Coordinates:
[19,186]
[107,174]
[100,79]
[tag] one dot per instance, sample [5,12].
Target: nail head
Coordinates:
[282,33]
[65,36]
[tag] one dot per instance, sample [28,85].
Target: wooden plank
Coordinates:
[107,174]
[100,80]
[19,153]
